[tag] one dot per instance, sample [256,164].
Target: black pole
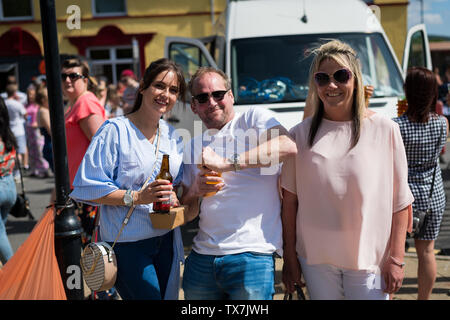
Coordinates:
[67,225]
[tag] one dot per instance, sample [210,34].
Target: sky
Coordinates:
[436,16]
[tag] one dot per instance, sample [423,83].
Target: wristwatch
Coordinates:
[398,263]
[128,198]
[234,159]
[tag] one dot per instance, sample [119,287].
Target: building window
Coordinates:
[109,7]
[16,10]
[110,61]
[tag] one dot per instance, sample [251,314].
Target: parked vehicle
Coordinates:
[264,46]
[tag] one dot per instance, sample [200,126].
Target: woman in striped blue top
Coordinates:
[118,161]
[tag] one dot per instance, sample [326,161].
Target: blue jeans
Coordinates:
[242,276]
[7,199]
[143,267]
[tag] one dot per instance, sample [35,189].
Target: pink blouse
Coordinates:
[346,197]
[77,142]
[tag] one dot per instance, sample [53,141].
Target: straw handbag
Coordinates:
[98,260]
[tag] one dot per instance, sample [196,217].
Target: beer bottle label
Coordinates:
[163,206]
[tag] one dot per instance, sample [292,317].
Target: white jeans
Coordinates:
[327,282]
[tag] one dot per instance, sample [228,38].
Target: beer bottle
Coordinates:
[163,207]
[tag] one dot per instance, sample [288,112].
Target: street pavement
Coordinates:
[38,191]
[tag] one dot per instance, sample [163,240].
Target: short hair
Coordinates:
[203,70]
[75,62]
[11,89]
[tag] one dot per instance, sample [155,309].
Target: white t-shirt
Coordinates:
[23,99]
[244,216]
[16,112]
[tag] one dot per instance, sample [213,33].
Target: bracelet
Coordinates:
[400,264]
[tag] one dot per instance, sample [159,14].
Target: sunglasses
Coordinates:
[323,79]
[217,95]
[72,76]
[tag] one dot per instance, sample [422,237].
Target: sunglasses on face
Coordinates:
[217,95]
[341,76]
[72,76]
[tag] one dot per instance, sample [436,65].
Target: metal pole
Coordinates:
[67,225]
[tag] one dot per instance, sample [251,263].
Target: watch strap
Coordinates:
[398,263]
[235,161]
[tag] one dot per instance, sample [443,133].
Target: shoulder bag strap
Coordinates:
[434,171]
[20,171]
[130,211]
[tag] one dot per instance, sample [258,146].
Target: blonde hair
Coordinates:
[344,55]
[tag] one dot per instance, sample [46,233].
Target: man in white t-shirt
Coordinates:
[18,95]
[17,112]
[240,225]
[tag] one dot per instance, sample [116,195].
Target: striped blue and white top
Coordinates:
[121,157]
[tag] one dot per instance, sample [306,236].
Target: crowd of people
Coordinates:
[334,196]
[30,118]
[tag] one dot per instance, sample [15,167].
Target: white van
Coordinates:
[262,45]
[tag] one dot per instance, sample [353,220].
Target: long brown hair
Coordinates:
[152,71]
[421,92]
[6,134]
[344,55]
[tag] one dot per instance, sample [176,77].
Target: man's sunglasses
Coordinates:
[72,76]
[323,79]
[217,95]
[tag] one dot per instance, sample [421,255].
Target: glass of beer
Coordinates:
[209,194]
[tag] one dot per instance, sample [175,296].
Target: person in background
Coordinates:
[233,254]
[128,78]
[438,77]
[18,95]
[43,119]
[83,117]
[124,153]
[113,106]
[102,89]
[35,141]
[443,90]
[424,134]
[8,192]
[17,113]
[345,196]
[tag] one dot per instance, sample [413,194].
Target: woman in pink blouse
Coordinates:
[84,116]
[345,195]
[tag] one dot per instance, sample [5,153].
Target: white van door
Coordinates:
[190,54]
[417,49]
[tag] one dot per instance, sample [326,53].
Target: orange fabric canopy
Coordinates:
[33,273]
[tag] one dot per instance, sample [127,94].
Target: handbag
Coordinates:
[300,294]
[420,217]
[98,261]
[21,207]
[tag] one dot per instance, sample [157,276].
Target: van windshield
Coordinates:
[276,69]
